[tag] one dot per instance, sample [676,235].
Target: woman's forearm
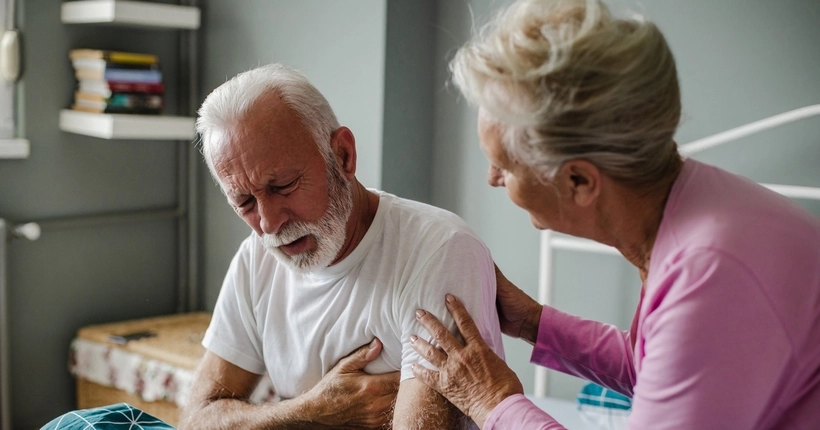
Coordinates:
[588,349]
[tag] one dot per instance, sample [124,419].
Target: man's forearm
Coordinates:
[234,413]
[420,408]
[345,397]
[446,417]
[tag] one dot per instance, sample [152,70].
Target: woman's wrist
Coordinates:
[484,410]
[498,407]
[529,330]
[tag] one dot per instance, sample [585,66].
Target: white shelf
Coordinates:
[131,13]
[14,148]
[127,126]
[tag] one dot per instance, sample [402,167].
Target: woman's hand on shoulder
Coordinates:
[470,375]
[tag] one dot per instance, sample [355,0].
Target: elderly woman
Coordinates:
[577,112]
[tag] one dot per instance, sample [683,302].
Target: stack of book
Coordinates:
[117,82]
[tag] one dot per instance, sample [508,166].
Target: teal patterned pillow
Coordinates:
[603,409]
[112,417]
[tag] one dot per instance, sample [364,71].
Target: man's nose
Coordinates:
[272,214]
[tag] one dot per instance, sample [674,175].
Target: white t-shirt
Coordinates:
[295,327]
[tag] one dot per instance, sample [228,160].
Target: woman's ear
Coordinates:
[343,145]
[582,180]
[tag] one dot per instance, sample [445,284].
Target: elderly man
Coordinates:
[330,266]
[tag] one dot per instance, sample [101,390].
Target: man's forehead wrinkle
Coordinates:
[227,180]
[242,172]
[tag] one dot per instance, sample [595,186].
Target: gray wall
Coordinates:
[409,90]
[738,61]
[74,277]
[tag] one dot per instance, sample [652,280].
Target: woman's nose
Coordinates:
[494,177]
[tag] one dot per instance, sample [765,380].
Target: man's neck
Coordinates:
[365,206]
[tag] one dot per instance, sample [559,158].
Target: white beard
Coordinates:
[329,231]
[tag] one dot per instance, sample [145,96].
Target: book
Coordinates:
[128,75]
[101,64]
[118,103]
[113,56]
[117,82]
[107,109]
[122,99]
[106,88]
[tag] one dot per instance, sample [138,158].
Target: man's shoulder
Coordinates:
[423,214]
[425,221]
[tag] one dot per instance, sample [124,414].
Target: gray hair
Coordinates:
[229,102]
[565,80]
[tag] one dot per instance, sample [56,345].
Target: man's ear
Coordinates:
[343,145]
[582,180]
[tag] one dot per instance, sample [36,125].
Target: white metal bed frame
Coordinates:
[551,240]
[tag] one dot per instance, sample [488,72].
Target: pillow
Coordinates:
[112,417]
[603,409]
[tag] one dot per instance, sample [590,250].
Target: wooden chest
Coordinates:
[152,373]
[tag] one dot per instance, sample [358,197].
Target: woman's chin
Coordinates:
[538,224]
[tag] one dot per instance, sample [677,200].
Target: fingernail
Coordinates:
[373,344]
[413,339]
[450,298]
[420,313]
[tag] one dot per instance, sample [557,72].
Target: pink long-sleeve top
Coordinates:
[727,333]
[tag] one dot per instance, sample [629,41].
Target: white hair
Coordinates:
[229,102]
[565,80]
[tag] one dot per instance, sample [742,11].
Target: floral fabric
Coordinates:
[150,379]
